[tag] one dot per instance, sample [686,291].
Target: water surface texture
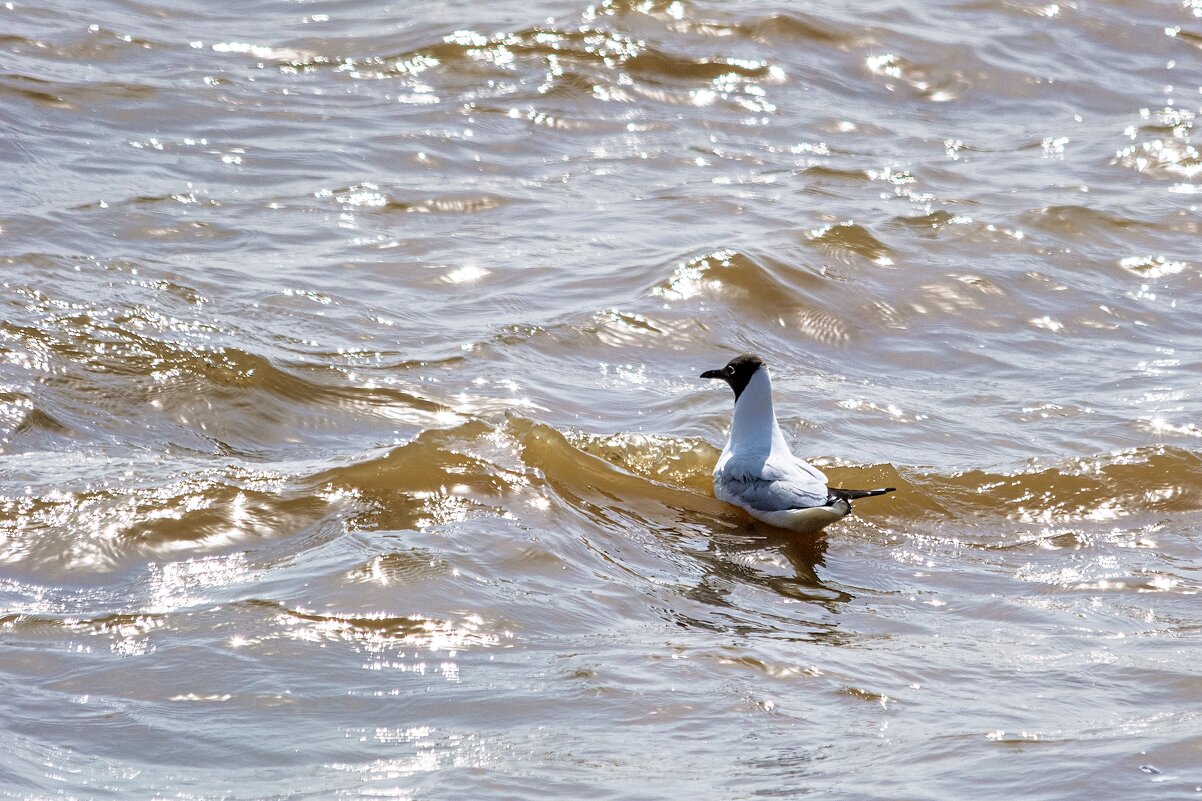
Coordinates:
[353,446]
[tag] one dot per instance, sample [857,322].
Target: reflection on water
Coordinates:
[350,443]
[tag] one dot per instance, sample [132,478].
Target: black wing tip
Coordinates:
[851,494]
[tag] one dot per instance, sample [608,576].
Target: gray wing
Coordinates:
[769,495]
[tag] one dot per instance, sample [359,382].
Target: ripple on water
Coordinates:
[352,441]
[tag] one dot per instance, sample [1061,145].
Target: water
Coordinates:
[353,445]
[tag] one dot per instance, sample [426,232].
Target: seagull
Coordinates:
[757,471]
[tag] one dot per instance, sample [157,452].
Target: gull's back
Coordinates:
[776,483]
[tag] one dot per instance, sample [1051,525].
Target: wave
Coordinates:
[667,479]
[1147,481]
[530,472]
[169,368]
[64,95]
[379,632]
[83,522]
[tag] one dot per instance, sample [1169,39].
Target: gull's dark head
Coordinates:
[738,372]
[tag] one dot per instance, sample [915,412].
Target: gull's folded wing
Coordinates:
[768,495]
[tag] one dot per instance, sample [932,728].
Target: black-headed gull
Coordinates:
[759,473]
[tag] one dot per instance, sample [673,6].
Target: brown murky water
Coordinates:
[353,445]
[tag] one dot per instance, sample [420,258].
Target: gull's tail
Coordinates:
[849,495]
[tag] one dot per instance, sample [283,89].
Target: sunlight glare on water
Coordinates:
[351,440]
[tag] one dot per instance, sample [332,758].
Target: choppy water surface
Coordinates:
[353,445]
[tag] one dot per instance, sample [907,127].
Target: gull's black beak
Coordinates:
[714,374]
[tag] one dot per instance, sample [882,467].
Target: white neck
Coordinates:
[753,428]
